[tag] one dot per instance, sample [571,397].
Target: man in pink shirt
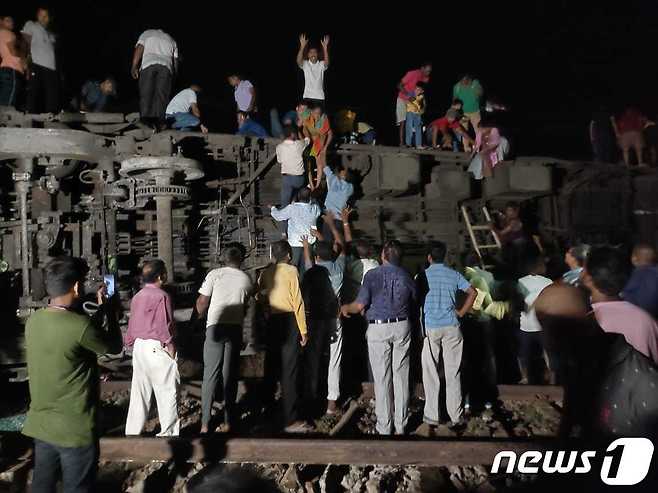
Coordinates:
[407,87]
[605,275]
[155,370]
[12,63]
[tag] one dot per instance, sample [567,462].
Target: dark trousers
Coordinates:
[282,361]
[290,185]
[78,467]
[154,90]
[43,90]
[11,86]
[221,359]
[326,231]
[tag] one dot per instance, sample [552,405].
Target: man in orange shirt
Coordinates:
[12,63]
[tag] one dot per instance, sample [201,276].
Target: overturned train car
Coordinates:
[102,187]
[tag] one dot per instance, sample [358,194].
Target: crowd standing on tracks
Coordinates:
[326,294]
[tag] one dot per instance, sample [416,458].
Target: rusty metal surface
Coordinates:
[401,452]
[51,144]
[95,196]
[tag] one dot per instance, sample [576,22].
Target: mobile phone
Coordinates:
[108,279]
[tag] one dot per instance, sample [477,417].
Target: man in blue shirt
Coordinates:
[249,127]
[642,287]
[443,337]
[301,216]
[94,95]
[339,191]
[388,295]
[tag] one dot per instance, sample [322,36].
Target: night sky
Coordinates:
[552,62]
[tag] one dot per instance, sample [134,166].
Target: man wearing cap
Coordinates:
[94,95]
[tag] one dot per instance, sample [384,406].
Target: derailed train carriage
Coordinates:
[101,187]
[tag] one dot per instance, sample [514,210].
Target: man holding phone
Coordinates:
[155,369]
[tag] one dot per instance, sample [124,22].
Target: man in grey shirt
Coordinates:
[43,85]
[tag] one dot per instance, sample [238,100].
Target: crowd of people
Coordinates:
[28,59]
[326,295]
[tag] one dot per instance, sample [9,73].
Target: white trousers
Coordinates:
[154,372]
[335,359]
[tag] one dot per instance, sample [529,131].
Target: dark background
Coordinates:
[552,62]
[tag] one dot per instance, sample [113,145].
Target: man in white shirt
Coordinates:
[245,94]
[314,69]
[183,110]
[302,216]
[531,347]
[290,155]
[155,60]
[224,296]
[43,85]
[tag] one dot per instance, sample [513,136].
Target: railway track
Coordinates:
[137,459]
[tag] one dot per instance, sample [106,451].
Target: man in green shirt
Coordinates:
[61,347]
[470,92]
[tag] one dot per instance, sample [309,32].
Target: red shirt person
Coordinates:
[628,128]
[448,126]
[406,89]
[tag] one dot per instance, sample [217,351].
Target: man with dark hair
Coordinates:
[62,347]
[281,298]
[155,60]
[469,91]
[183,110]
[301,217]
[94,95]
[313,69]
[605,275]
[443,336]
[575,259]
[249,127]
[13,63]
[155,369]
[43,84]
[407,86]
[245,94]
[388,294]
[609,388]
[531,347]
[290,155]
[339,191]
[224,296]
[321,287]
[642,288]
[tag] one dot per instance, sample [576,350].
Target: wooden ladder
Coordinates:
[473,229]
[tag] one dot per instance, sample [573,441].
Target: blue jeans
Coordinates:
[11,85]
[184,121]
[414,125]
[77,465]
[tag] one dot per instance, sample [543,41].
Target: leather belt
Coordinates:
[388,320]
